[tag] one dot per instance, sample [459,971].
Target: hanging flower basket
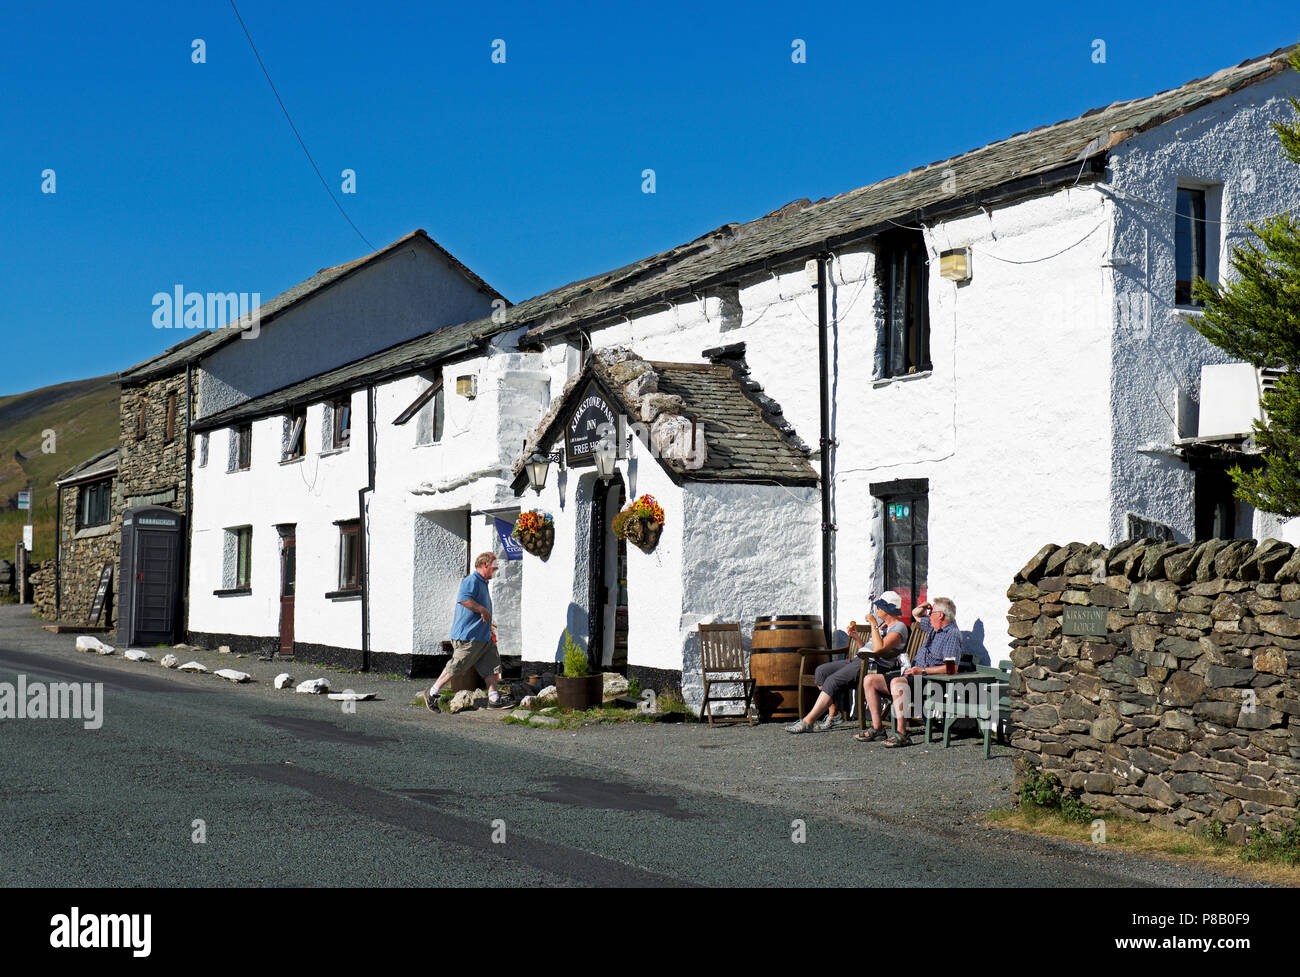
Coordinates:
[641,523]
[535,531]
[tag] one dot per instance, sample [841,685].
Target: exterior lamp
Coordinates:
[606,460]
[537,467]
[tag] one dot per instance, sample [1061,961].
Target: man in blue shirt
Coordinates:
[471,635]
[942,641]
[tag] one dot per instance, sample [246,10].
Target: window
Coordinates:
[203,450]
[350,555]
[901,260]
[171,416]
[906,510]
[295,434]
[1189,244]
[94,503]
[428,423]
[139,421]
[341,410]
[241,448]
[237,562]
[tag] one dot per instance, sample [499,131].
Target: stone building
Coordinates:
[89,524]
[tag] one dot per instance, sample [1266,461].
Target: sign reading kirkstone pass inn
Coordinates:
[1090,621]
[592,419]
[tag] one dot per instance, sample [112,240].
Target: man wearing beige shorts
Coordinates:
[471,636]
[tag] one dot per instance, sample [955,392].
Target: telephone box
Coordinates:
[149,584]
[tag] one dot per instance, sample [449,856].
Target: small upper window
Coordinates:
[428,423]
[171,416]
[203,450]
[904,283]
[295,434]
[1189,244]
[139,421]
[342,422]
[241,448]
[93,503]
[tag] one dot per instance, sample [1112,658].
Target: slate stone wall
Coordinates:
[152,465]
[41,576]
[82,559]
[1188,708]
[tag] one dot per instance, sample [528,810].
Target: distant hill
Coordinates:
[83,414]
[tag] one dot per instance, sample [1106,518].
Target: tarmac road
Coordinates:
[291,790]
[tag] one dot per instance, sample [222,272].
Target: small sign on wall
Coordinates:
[1090,621]
[27,538]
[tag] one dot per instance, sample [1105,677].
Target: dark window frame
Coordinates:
[1191,213]
[171,416]
[902,270]
[297,420]
[243,557]
[140,421]
[350,555]
[341,408]
[93,499]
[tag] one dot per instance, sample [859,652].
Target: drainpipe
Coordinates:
[363,557]
[828,527]
[189,499]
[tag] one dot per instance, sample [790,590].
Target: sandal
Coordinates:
[896,740]
[871,735]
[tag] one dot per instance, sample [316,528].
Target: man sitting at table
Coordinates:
[884,633]
[942,641]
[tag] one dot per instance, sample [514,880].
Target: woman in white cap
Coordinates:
[835,679]
[890,667]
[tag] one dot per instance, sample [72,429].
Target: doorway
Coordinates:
[608,581]
[288,581]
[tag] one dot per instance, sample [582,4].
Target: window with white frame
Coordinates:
[237,558]
[1196,238]
[429,421]
[294,439]
[203,451]
[241,448]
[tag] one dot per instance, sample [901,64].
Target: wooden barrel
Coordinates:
[774,661]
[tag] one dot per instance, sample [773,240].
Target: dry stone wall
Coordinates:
[1187,708]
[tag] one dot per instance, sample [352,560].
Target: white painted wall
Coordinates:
[1157,354]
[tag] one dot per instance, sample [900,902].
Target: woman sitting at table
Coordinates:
[885,634]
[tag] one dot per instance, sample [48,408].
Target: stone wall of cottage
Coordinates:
[82,557]
[151,467]
[1188,708]
[41,576]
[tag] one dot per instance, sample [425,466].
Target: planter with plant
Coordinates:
[575,689]
[641,523]
[535,531]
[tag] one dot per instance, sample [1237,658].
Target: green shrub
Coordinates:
[1263,846]
[575,659]
[1044,790]
[633,689]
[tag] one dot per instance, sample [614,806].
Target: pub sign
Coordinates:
[592,420]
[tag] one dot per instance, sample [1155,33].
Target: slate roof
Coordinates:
[203,343]
[741,445]
[96,466]
[1058,154]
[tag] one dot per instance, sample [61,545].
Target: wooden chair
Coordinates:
[722,660]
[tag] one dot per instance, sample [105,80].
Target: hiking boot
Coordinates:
[430,701]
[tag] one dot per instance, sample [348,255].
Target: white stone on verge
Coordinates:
[88,642]
[283,680]
[349,696]
[230,675]
[528,702]
[540,720]
[314,686]
[137,656]
[223,650]
[192,667]
[547,694]
[461,701]
[169,661]
[614,684]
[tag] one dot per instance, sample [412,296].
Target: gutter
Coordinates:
[189,499]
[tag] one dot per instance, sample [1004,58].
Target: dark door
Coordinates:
[907,548]
[288,573]
[156,563]
[606,502]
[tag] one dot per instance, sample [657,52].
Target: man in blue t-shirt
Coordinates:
[471,636]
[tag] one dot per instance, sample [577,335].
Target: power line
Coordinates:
[276,93]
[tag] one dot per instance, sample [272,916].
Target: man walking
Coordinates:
[471,636]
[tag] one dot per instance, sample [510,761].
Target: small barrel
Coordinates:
[774,661]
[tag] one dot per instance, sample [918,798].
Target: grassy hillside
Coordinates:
[84,417]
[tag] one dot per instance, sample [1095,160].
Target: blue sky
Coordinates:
[170,172]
